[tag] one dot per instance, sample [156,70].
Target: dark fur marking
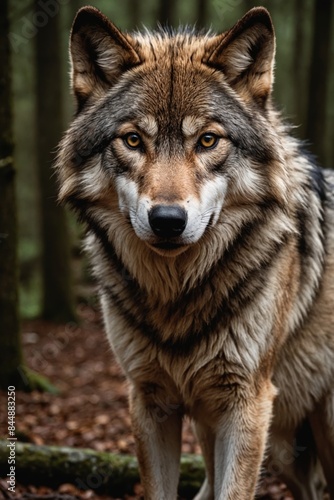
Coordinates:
[95,132]
[116,164]
[80,207]
[318,183]
[307,251]
[218,167]
[243,238]
[304,248]
[241,126]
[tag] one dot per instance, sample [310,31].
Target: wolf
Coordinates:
[210,233]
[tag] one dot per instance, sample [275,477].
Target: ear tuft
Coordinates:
[100,53]
[245,54]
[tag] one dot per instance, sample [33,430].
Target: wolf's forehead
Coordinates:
[172,86]
[170,104]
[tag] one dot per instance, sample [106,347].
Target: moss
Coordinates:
[88,469]
[27,380]
[38,382]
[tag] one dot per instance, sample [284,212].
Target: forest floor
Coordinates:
[91,410]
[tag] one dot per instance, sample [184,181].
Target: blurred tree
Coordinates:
[10,352]
[12,370]
[202,14]
[72,11]
[166,12]
[318,78]
[134,13]
[298,60]
[248,4]
[57,297]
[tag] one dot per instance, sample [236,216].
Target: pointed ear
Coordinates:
[100,53]
[245,54]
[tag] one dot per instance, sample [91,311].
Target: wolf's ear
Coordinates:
[246,54]
[100,53]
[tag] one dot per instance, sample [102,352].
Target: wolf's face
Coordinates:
[165,153]
[170,127]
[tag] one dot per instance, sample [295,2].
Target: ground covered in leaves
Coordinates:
[91,408]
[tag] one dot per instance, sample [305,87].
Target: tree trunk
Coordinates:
[57,297]
[298,61]
[248,5]
[88,469]
[10,352]
[318,79]
[134,13]
[166,12]
[202,14]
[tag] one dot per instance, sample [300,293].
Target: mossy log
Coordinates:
[89,469]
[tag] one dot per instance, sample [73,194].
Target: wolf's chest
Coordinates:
[178,325]
[184,337]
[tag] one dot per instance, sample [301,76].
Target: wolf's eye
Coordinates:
[133,140]
[208,141]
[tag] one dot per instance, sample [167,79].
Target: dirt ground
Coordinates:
[91,409]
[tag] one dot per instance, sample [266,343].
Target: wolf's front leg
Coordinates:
[157,425]
[240,442]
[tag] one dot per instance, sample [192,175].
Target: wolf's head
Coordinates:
[172,129]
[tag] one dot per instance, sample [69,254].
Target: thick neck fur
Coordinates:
[165,278]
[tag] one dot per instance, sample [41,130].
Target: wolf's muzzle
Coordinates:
[167,221]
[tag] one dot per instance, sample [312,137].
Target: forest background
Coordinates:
[43,273]
[49,246]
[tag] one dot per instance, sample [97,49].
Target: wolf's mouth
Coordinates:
[168,248]
[167,245]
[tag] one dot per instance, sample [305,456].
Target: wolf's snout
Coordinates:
[167,221]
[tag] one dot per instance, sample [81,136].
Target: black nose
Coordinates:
[167,221]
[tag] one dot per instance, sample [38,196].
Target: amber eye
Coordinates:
[208,141]
[133,140]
